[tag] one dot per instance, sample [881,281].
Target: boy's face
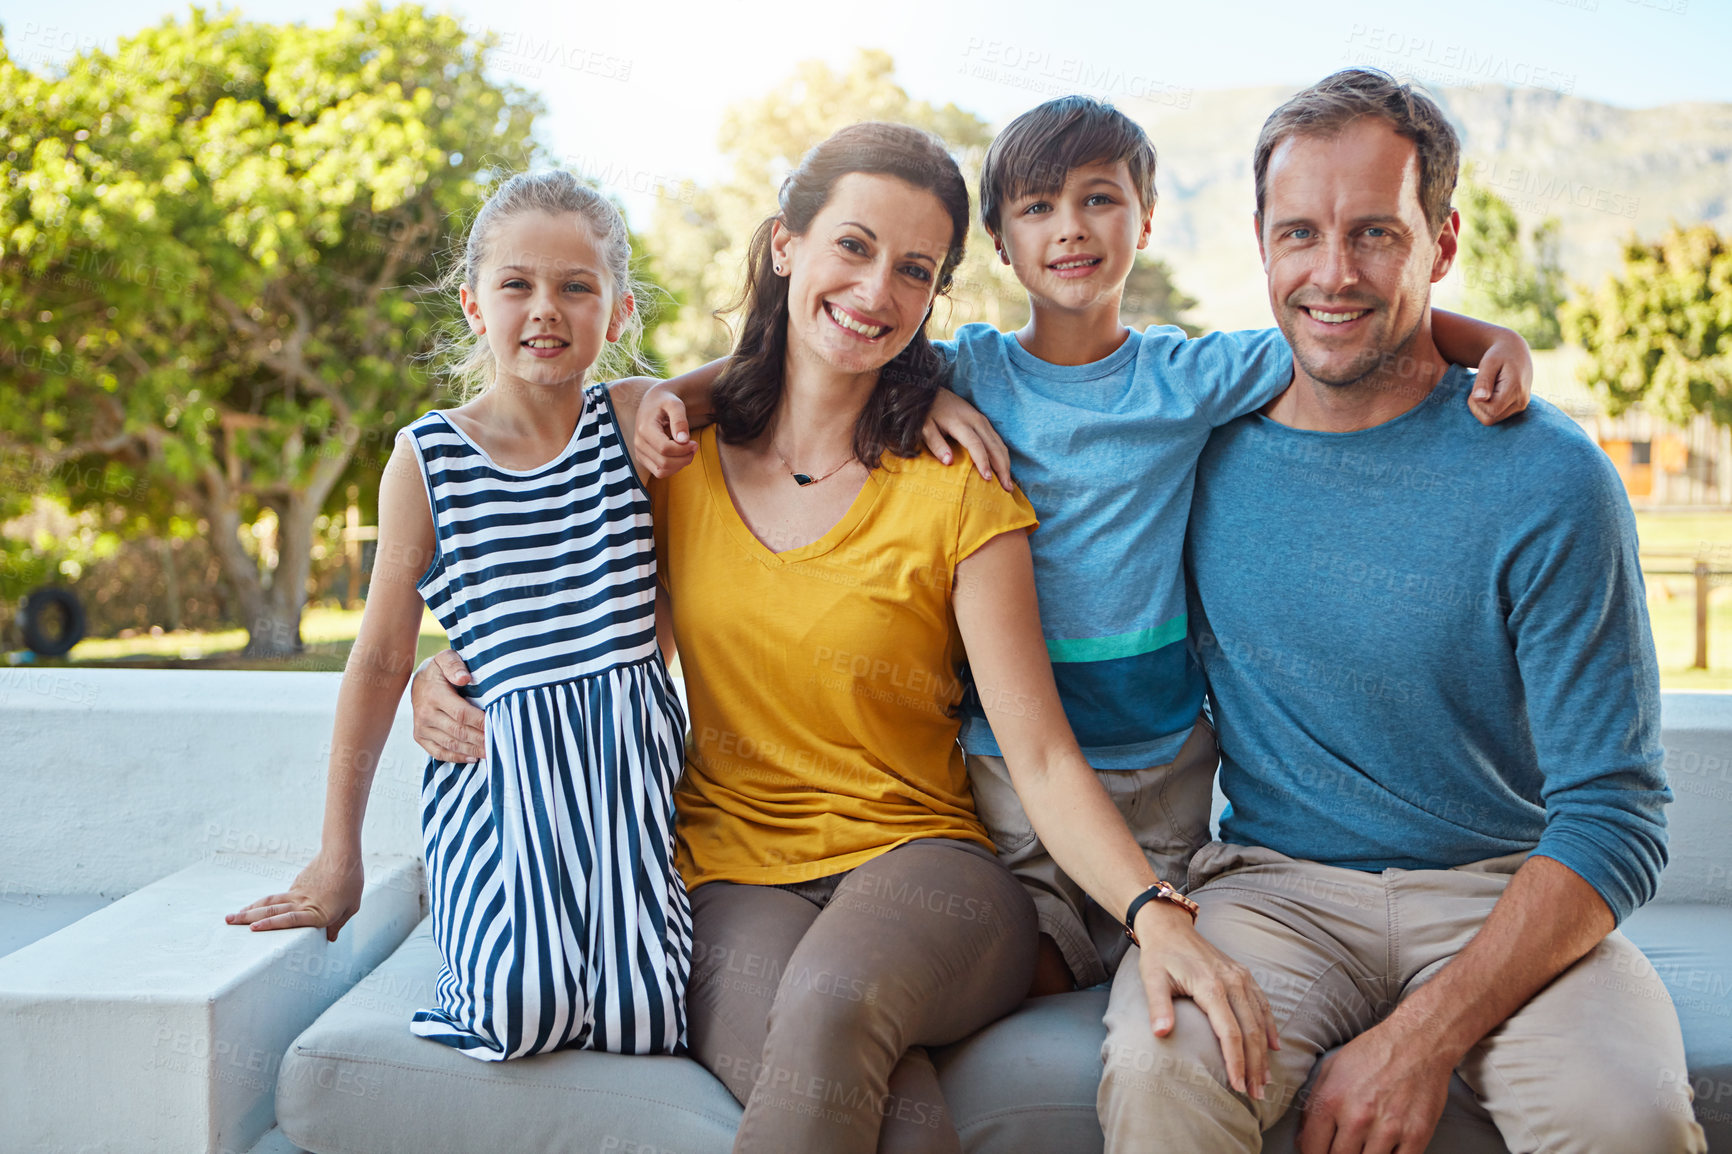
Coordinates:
[1073,249]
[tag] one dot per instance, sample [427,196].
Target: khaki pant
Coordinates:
[1167,808]
[1593,1063]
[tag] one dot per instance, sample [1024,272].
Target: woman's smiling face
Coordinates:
[862,276]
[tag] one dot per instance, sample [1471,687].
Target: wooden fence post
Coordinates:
[1703,570]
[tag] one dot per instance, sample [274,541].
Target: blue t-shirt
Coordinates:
[1427,644]
[1106,452]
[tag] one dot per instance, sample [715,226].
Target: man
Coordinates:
[1437,701]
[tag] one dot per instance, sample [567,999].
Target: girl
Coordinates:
[519,519]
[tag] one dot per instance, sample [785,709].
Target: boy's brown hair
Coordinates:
[1338,100]
[1036,152]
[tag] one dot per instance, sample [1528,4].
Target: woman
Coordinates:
[823,580]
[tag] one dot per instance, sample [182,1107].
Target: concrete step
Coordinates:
[153,1026]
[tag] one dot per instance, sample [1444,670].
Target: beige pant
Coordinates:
[1592,1063]
[1167,808]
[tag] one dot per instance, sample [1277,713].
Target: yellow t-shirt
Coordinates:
[822,681]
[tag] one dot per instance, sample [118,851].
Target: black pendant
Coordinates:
[802,479]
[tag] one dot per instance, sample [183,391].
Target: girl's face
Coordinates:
[544,302]
[862,275]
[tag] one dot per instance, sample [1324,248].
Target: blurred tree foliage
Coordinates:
[700,241]
[1661,333]
[1508,280]
[1151,297]
[211,246]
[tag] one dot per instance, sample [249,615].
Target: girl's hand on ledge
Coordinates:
[324,895]
[447,724]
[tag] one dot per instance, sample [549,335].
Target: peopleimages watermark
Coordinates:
[1528,189]
[1419,56]
[1047,73]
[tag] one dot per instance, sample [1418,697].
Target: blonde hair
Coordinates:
[464,356]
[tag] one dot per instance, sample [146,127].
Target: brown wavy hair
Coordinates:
[1352,94]
[750,387]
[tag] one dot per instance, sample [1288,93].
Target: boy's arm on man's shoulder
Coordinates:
[1227,374]
[1505,363]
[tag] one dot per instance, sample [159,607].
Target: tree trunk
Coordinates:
[271,603]
[170,585]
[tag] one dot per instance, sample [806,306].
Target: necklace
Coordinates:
[804,479]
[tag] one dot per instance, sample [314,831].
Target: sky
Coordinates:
[636,91]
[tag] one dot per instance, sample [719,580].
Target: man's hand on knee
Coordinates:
[1384,1091]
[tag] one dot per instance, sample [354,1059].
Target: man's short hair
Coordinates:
[1336,101]
[1036,152]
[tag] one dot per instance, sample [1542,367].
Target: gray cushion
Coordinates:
[358,1082]
[1691,948]
[1028,1081]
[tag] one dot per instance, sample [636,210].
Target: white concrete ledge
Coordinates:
[152,1026]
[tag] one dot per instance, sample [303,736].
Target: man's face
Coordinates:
[1350,257]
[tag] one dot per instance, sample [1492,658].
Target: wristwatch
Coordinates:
[1160,891]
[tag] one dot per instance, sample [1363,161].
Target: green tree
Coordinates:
[1508,281]
[700,241]
[1661,333]
[1151,297]
[211,246]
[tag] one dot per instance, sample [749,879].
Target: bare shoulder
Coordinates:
[404,503]
[626,395]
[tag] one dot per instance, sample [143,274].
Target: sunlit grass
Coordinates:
[1672,598]
[328,635]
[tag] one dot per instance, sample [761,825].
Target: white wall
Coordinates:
[113,778]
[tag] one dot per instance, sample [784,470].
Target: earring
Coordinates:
[778,269]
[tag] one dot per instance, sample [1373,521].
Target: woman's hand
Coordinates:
[954,418]
[661,439]
[1505,383]
[447,724]
[326,894]
[1178,962]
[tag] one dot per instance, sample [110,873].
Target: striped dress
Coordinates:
[557,909]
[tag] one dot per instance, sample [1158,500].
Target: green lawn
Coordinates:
[1671,606]
[328,634]
[1672,599]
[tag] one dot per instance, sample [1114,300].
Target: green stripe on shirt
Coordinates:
[1121,645]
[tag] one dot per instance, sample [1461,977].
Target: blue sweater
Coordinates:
[1427,644]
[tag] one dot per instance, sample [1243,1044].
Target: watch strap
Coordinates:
[1160,891]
